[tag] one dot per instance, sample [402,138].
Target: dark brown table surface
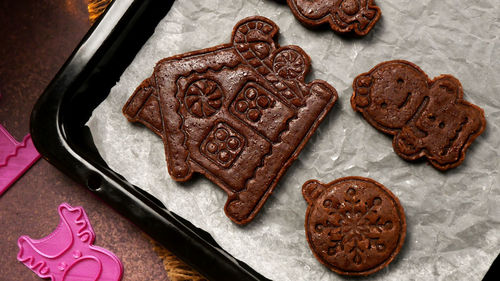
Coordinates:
[36,38]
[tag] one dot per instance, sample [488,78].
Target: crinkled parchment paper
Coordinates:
[453,218]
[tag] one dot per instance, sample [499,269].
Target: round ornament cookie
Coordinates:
[355,226]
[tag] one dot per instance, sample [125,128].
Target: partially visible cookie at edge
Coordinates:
[355,226]
[428,118]
[343,16]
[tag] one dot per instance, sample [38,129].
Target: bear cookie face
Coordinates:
[238,113]
[354,226]
[344,16]
[428,118]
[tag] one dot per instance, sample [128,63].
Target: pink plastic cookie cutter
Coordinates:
[68,253]
[15,158]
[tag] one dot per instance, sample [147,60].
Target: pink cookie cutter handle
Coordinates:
[15,158]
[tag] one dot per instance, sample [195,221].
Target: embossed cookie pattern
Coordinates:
[354,226]
[238,113]
[344,16]
[428,118]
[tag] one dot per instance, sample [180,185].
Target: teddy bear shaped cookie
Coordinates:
[428,118]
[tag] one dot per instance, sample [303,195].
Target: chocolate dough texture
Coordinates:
[428,118]
[344,16]
[355,226]
[238,113]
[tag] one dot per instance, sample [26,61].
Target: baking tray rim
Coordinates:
[51,137]
[53,131]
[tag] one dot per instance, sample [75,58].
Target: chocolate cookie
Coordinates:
[344,16]
[354,225]
[428,118]
[238,113]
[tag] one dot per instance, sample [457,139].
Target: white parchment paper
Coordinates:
[453,218]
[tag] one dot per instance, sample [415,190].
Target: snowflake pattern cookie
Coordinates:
[355,226]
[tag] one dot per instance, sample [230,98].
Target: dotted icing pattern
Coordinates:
[251,103]
[223,145]
[262,111]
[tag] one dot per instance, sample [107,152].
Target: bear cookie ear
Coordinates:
[311,190]
[448,87]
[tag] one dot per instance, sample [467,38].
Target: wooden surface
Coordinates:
[36,37]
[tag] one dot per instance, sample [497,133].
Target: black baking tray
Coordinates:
[60,135]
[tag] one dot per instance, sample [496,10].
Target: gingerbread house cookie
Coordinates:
[238,113]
